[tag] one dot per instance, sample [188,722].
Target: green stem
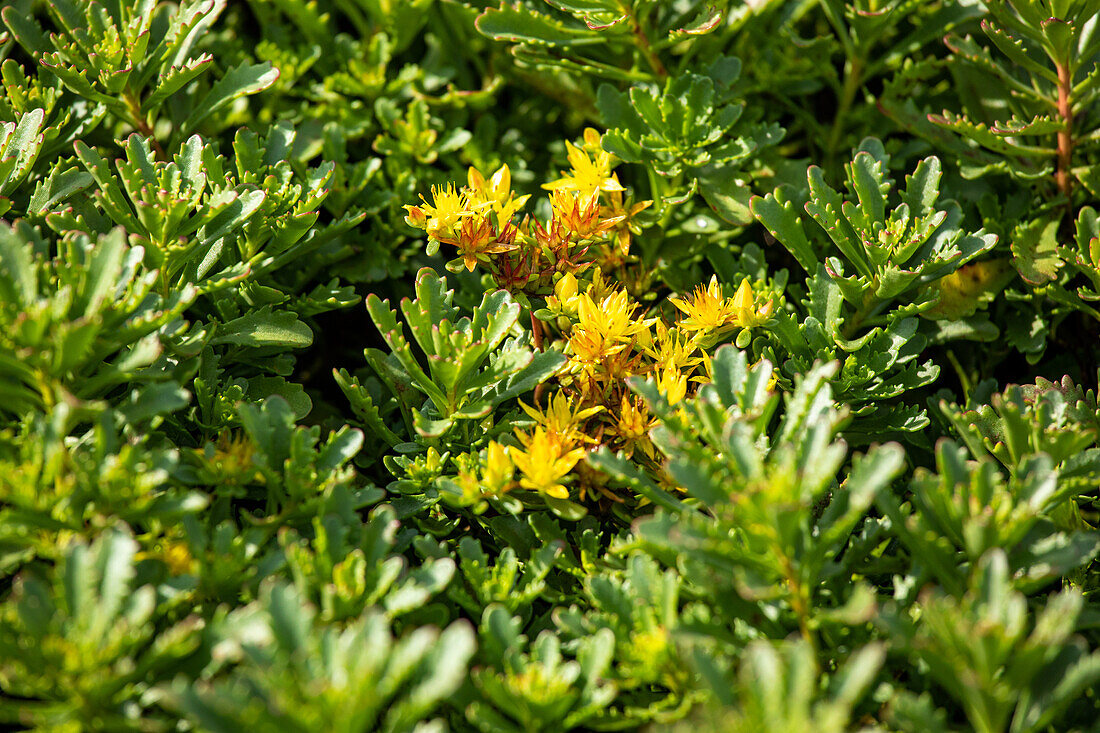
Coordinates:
[961,373]
[657,191]
[667,211]
[800,605]
[870,306]
[853,80]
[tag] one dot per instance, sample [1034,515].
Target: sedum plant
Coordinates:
[904,262]
[135,60]
[294,674]
[473,365]
[778,689]
[85,646]
[111,328]
[1007,673]
[749,495]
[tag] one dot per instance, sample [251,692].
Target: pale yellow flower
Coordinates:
[498,469]
[744,305]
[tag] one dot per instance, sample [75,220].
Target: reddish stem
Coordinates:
[1065,137]
[641,40]
[536,331]
[142,124]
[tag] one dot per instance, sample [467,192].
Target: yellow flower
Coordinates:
[563,303]
[544,462]
[613,318]
[497,188]
[477,239]
[632,425]
[607,328]
[591,168]
[591,348]
[579,215]
[495,192]
[498,469]
[175,554]
[468,480]
[673,350]
[488,473]
[672,383]
[230,460]
[706,309]
[601,287]
[748,316]
[623,216]
[563,417]
[439,221]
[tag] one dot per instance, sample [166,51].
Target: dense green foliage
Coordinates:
[779,411]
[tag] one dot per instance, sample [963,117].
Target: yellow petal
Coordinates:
[612,184]
[576,156]
[743,298]
[558,492]
[502,179]
[682,304]
[568,182]
[531,411]
[475,179]
[416,218]
[566,288]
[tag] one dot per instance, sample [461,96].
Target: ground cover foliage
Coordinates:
[549,365]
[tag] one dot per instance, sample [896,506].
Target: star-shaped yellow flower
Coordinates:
[563,417]
[590,172]
[544,462]
[706,309]
[439,220]
[496,193]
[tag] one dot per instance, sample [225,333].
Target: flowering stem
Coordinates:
[140,123]
[853,79]
[1065,137]
[641,40]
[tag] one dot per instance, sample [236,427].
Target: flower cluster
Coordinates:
[608,335]
[609,338]
[592,221]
